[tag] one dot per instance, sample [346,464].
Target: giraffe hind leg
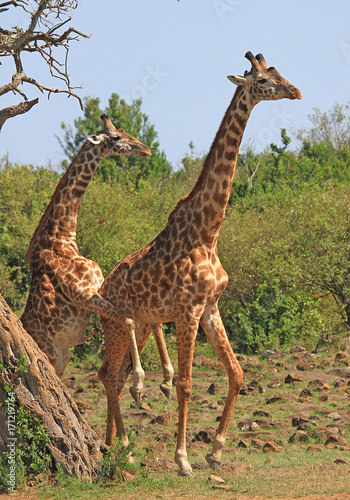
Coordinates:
[213,326]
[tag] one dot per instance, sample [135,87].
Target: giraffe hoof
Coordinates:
[165,390]
[186,473]
[214,464]
[135,394]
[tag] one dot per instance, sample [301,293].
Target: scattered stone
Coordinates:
[273,384]
[305,366]
[225,487]
[145,406]
[332,440]
[216,479]
[164,419]
[271,353]
[244,390]
[325,434]
[343,372]
[274,399]
[323,398]
[203,361]
[300,422]
[262,413]
[341,461]
[293,377]
[202,436]
[200,466]
[240,357]
[319,385]
[306,393]
[93,381]
[140,416]
[213,406]
[254,424]
[251,388]
[299,437]
[270,447]
[159,447]
[257,443]
[334,416]
[234,466]
[243,444]
[196,398]
[127,476]
[79,390]
[340,384]
[341,356]
[214,389]
[314,448]
[164,437]
[297,348]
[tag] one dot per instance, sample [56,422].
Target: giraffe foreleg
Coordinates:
[213,326]
[186,330]
[106,309]
[168,370]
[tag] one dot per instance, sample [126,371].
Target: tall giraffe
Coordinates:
[178,276]
[64,284]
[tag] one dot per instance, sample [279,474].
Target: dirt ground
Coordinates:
[290,403]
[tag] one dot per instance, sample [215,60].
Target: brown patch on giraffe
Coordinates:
[220,151]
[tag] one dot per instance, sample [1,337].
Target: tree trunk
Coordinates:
[73,444]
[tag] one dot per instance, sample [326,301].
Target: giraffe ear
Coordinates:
[95,139]
[237,80]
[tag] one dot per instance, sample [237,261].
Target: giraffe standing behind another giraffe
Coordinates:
[178,276]
[64,285]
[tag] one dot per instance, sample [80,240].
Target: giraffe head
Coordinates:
[264,83]
[115,141]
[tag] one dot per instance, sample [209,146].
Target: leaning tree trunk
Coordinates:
[73,444]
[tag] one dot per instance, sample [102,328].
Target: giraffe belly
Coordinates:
[69,330]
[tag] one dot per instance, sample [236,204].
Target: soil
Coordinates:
[289,402]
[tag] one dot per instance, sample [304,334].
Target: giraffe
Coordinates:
[64,284]
[178,276]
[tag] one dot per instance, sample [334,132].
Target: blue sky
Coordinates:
[176,56]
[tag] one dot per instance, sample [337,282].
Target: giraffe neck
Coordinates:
[59,221]
[208,199]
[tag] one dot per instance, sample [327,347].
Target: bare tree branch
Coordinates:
[52,16]
[18,109]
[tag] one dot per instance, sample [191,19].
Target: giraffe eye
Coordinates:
[262,80]
[116,138]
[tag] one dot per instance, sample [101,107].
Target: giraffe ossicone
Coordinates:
[178,276]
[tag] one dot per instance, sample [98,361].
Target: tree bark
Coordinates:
[73,444]
[15,110]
